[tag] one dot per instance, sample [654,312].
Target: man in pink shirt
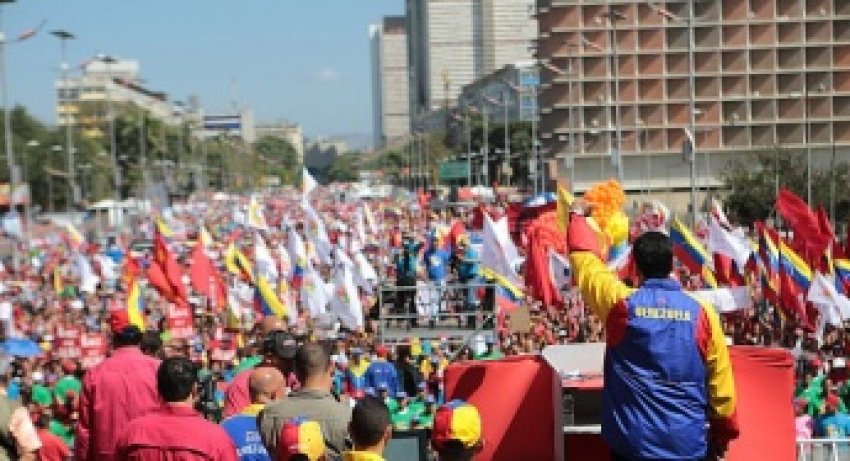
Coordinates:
[121,388]
[278,352]
[175,431]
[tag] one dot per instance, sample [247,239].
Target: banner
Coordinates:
[93,348]
[179,322]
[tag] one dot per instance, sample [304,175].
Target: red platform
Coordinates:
[520,403]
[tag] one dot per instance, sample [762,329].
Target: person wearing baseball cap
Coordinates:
[301,440]
[382,373]
[278,349]
[118,390]
[457,432]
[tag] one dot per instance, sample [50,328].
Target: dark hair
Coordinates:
[653,255]
[151,343]
[311,359]
[454,450]
[369,421]
[175,379]
[131,335]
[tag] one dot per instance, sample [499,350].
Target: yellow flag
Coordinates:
[564,202]
[204,237]
[237,263]
[163,228]
[58,286]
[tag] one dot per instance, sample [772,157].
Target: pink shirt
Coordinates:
[803,425]
[174,433]
[121,388]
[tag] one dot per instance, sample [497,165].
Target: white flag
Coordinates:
[314,293]
[834,307]
[317,233]
[345,303]
[83,269]
[498,252]
[12,224]
[560,269]
[263,260]
[307,183]
[255,214]
[726,299]
[728,244]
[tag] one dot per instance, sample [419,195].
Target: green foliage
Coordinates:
[752,185]
[345,168]
[281,157]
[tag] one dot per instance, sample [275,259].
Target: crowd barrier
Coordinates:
[823,449]
[451,312]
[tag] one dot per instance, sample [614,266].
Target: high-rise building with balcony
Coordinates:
[766,74]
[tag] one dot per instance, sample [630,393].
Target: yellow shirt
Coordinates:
[361,456]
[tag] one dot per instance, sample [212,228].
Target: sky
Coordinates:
[306,61]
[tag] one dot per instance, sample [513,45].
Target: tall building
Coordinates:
[454,42]
[768,75]
[84,100]
[290,132]
[391,103]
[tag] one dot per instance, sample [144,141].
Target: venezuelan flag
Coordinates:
[794,266]
[841,267]
[508,295]
[135,305]
[691,253]
[237,263]
[266,300]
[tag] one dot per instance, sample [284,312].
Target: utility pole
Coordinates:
[73,191]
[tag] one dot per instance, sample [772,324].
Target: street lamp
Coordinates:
[113,144]
[614,17]
[73,192]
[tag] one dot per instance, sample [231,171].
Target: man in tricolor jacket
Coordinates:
[669,393]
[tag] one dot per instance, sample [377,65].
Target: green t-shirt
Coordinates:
[426,420]
[401,419]
[392,404]
[41,395]
[66,433]
[417,407]
[67,383]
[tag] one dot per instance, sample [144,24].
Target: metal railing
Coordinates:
[452,311]
[823,449]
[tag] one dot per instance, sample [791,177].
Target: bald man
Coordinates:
[278,349]
[265,384]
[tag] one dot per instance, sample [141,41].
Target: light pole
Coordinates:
[7,121]
[615,16]
[73,192]
[57,150]
[116,172]
[485,144]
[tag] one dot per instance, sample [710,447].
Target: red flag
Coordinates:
[803,221]
[824,225]
[205,279]
[726,271]
[158,280]
[543,234]
[169,267]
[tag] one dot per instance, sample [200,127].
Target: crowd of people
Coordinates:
[69,293]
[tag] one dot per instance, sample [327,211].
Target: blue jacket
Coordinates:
[382,373]
[668,376]
[242,429]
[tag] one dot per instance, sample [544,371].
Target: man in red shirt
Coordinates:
[278,352]
[175,431]
[121,388]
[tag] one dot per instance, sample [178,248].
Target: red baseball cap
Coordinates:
[382,351]
[119,319]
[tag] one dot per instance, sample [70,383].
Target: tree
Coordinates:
[345,168]
[281,156]
[752,185]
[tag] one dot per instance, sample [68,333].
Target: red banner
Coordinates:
[223,346]
[66,342]
[180,322]
[93,349]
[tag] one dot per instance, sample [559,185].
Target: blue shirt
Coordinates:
[467,269]
[242,429]
[834,426]
[436,261]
